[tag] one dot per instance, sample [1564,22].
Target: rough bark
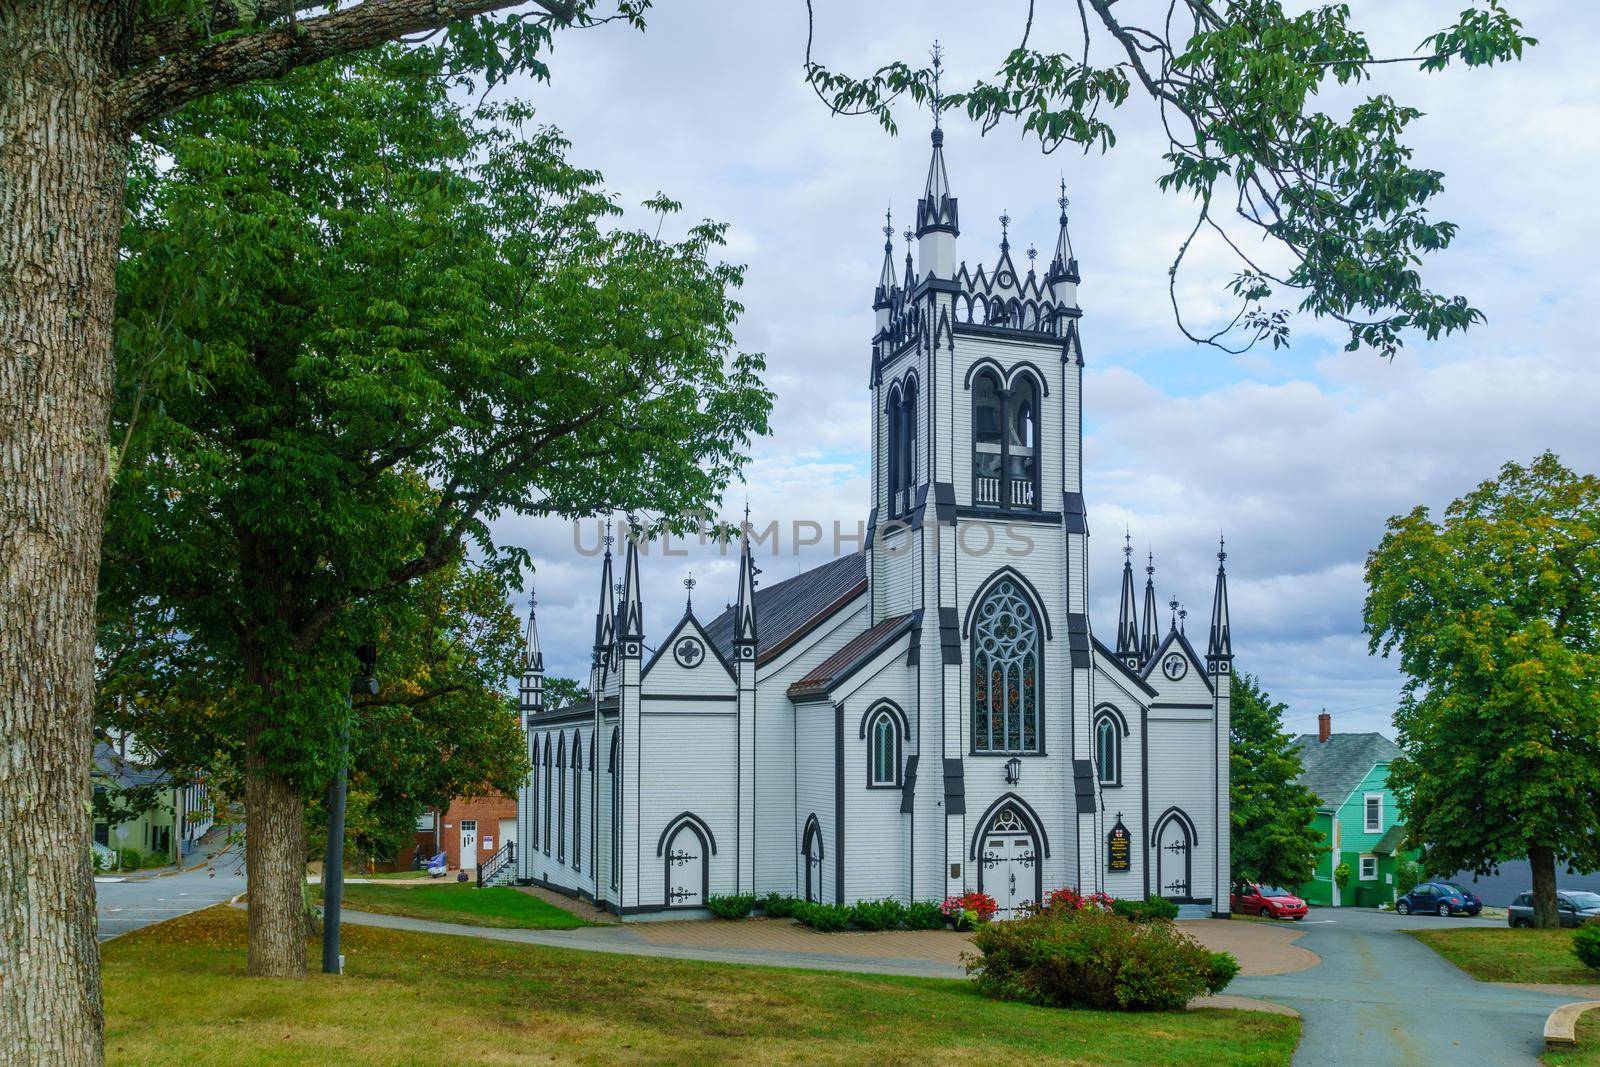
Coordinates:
[62,168]
[275,856]
[1542,861]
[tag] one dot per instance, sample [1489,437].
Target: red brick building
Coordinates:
[478,825]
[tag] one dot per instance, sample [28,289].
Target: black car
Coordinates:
[1439,898]
[1574,908]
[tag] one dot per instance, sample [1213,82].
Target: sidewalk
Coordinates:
[211,848]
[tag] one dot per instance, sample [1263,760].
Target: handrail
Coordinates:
[496,863]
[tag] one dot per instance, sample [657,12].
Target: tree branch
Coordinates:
[151,91]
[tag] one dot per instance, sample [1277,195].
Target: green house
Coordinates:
[1356,815]
[165,831]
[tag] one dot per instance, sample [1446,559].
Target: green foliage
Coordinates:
[1238,85]
[1272,813]
[778,906]
[564,692]
[1586,944]
[1407,873]
[1341,875]
[355,323]
[1150,909]
[1495,614]
[731,906]
[1092,958]
[824,918]
[885,914]
[924,915]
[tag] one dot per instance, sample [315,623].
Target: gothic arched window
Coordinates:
[1108,750]
[1005,441]
[1005,672]
[987,440]
[577,801]
[883,740]
[894,412]
[547,794]
[908,441]
[561,800]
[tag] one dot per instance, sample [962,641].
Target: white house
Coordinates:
[931,715]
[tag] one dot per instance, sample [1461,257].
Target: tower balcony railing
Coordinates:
[1021,492]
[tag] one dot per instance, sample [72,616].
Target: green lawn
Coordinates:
[1501,954]
[176,994]
[1586,1053]
[460,902]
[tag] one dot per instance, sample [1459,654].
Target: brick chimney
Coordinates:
[1324,727]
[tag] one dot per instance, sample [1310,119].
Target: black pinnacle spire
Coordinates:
[1064,265]
[1219,651]
[744,616]
[605,619]
[937,208]
[1152,615]
[886,278]
[1128,649]
[531,697]
[630,615]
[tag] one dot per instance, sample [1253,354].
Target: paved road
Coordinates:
[140,901]
[1381,998]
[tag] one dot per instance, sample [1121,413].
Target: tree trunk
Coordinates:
[62,170]
[1542,859]
[275,857]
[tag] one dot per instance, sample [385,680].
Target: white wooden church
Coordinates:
[925,717]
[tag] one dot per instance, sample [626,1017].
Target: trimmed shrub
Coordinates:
[924,915]
[732,906]
[778,906]
[1147,910]
[824,918]
[1090,958]
[1586,944]
[885,914]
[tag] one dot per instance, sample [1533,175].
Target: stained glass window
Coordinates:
[1005,672]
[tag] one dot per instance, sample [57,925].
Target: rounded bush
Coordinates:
[1092,958]
[824,918]
[732,906]
[885,914]
[1147,910]
[778,906]
[1586,944]
[925,915]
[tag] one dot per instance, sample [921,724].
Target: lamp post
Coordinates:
[364,684]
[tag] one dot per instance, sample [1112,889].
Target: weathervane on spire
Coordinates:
[1150,563]
[1062,199]
[1222,549]
[609,539]
[937,52]
[888,227]
[1127,544]
[689,583]
[1005,223]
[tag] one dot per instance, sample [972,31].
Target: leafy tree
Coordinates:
[1495,614]
[78,80]
[564,692]
[1336,199]
[401,319]
[1273,836]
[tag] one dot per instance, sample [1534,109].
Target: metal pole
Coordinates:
[333,857]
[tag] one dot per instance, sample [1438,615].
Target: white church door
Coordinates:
[1174,858]
[686,869]
[1009,864]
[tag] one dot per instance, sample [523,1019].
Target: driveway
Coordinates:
[126,904]
[1381,997]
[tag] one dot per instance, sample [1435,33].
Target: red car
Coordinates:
[1274,902]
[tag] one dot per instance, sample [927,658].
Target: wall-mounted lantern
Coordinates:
[1013,771]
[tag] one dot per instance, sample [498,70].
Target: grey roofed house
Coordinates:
[1335,767]
[110,765]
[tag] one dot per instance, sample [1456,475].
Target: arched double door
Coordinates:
[1009,850]
[686,847]
[1174,847]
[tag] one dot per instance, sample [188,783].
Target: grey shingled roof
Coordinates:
[110,766]
[784,608]
[1333,768]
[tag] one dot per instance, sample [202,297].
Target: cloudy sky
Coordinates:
[1299,455]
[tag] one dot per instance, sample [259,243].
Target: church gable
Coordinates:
[687,663]
[1177,672]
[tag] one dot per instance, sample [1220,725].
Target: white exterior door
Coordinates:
[1010,864]
[469,844]
[686,869]
[1173,861]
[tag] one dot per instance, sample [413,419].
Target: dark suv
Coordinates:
[1575,908]
[1439,898]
